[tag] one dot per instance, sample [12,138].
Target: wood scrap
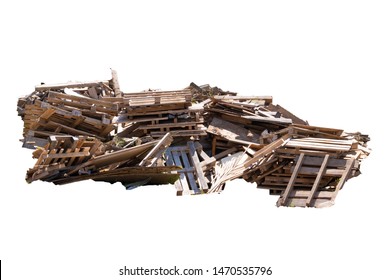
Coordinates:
[197,138]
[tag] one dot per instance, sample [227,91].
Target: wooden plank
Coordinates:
[318,129]
[304,194]
[190,175]
[115,83]
[170,162]
[211,161]
[232,132]
[196,164]
[117,156]
[214,146]
[317,181]
[317,146]
[318,160]
[182,178]
[314,171]
[79,100]
[267,99]
[67,155]
[190,110]
[343,178]
[277,121]
[162,144]
[282,200]
[141,120]
[301,202]
[326,141]
[44,87]
[267,149]
[180,133]
[93,93]
[168,125]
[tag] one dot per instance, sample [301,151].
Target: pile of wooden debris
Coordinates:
[197,138]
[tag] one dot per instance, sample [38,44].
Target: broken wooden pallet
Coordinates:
[192,179]
[318,195]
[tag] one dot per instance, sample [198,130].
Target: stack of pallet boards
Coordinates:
[307,171]
[197,138]
[75,109]
[155,113]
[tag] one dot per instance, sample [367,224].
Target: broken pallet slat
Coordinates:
[289,188]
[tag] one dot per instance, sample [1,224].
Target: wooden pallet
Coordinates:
[316,196]
[79,102]
[151,98]
[55,119]
[60,153]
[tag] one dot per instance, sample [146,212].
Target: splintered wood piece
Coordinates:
[150,158]
[317,181]
[267,149]
[117,156]
[232,131]
[282,200]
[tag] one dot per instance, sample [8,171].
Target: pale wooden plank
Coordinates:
[196,164]
[317,146]
[190,175]
[170,162]
[162,144]
[69,85]
[267,149]
[115,83]
[182,178]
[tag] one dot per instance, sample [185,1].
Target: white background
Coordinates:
[326,61]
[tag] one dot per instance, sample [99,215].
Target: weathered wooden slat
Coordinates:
[317,146]
[162,144]
[196,164]
[68,85]
[282,200]
[317,181]
[190,175]
[182,178]
[115,83]
[343,178]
